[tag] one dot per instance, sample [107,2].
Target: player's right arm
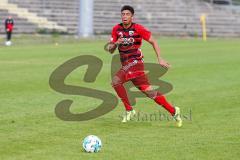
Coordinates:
[5,24]
[114,42]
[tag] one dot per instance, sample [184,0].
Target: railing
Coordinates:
[236,2]
[226,2]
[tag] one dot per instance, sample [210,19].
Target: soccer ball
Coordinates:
[92,144]
[8,43]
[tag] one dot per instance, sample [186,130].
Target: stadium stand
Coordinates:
[171,18]
[41,22]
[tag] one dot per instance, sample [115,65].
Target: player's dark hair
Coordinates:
[127,7]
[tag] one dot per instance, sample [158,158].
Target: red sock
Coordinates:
[161,100]
[121,92]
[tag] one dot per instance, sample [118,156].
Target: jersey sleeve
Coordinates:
[144,32]
[114,37]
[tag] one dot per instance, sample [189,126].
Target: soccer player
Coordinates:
[9,23]
[127,36]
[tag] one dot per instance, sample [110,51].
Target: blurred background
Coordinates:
[96,17]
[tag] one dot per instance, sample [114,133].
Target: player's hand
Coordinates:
[110,47]
[164,63]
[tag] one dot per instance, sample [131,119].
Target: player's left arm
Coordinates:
[147,36]
[157,50]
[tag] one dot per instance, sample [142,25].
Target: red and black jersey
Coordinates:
[130,49]
[9,23]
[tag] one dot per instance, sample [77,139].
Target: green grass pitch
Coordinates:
[206,81]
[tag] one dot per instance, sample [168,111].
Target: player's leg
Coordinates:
[117,83]
[143,85]
[174,111]
[10,36]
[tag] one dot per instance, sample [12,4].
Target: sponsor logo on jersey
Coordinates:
[128,41]
[131,33]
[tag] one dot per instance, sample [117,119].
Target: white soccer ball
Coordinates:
[92,144]
[8,43]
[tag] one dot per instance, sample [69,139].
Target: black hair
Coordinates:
[127,7]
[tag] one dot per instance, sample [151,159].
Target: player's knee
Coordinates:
[145,88]
[148,91]
[151,93]
[116,81]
